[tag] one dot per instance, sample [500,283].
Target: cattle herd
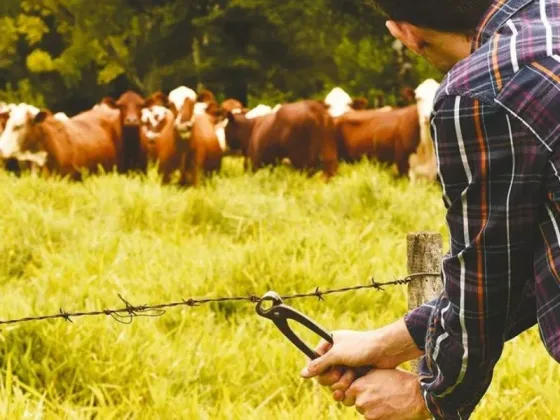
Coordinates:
[189,133]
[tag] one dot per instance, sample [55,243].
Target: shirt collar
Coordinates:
[495,17]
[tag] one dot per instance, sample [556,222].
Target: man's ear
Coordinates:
[408,34]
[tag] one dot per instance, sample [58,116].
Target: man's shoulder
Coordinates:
[517,70]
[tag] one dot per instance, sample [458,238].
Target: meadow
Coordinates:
[77,245]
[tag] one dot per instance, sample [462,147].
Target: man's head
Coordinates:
[440,30]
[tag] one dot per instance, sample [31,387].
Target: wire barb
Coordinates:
[126,314]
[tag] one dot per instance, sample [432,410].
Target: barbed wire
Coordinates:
[126,314]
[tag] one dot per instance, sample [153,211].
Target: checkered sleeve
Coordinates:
[490,168]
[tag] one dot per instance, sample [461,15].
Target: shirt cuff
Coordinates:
[417,323]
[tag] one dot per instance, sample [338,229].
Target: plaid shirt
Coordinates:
[495,126]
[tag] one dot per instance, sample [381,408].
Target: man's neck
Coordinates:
[448,47]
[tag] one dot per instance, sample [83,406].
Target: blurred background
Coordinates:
[66,54]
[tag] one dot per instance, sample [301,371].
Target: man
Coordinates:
[495,125]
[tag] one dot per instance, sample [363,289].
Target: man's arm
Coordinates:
[491,169]
[417,320]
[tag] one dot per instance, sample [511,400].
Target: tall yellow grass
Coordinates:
[76,245]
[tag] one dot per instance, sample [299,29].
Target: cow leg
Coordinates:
[12,165]
[329,156]
[403,167]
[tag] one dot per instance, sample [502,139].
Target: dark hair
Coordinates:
[457,16]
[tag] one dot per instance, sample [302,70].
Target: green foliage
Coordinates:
[39,61]
[23,92]
[8,40]
[75,51]
[76,245]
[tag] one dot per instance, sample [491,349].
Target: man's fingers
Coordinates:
[323,347]
[338,396]
[345,381]
[332,376]
[319,365]
[349,399]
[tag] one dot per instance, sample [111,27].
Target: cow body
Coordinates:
[186,143]
[86,141]
[130,106]
[302,132]
[388,136]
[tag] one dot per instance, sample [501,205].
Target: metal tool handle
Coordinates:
[280,313]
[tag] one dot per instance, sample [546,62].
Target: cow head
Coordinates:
[177,96]
[231,105]
[184,122]
[154,120]
[238,131]
[425,94]
[206,96]
[130,104]
[22,137]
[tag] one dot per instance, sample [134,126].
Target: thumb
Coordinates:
[319,365]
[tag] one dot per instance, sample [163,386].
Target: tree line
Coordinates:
[67,54]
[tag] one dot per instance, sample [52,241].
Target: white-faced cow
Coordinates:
[423,163]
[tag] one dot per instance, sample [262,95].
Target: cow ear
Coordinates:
[213,109]
[149,103]
[110,102]
[359,103]
[41,116]
[221,113]
[159,96]
[231,116]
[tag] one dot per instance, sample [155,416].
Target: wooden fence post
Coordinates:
[424,252]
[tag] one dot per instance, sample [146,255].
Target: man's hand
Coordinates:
[385,348]
[387,394]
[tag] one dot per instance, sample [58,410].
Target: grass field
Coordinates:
[77,245]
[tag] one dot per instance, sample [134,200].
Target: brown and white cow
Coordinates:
[423,164]
[389,136]
[232,105]
[130,105]
[197,133]
[178,95]
[186,142]
[86,141]
[339,102]
[302,132]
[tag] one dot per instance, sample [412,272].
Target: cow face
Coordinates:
[425,94]
[154,120]
[177,96]
[20,137]
[184,122]
[238,131]
[339,102]
[130,104]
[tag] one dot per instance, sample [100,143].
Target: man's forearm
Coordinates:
[397,345]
